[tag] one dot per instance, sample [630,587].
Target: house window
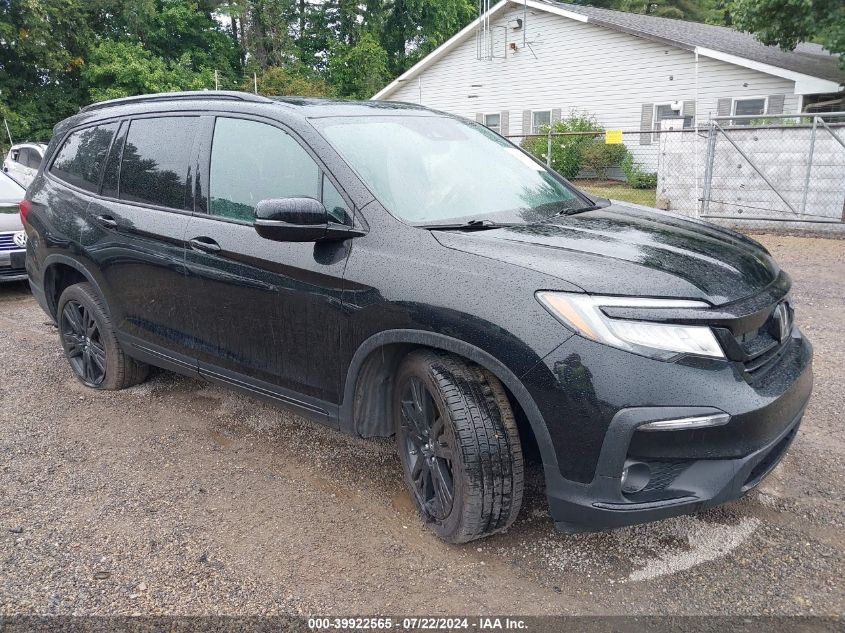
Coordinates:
[745,107]
[540,119]
[493,121]
[664,111]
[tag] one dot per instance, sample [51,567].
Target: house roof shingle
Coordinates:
[810,60]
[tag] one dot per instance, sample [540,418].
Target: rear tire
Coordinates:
[89,342]
[454,425]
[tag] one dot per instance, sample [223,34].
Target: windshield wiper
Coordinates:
[471,225]
[574,211]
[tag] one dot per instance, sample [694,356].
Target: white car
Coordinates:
[12,235]
[23,160]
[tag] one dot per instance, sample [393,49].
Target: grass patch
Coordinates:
[618,191]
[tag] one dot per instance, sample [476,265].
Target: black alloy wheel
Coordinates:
[429,449]
[458,443]
[83,343]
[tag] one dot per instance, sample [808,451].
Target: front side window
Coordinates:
[540,121]
[251,162]
[437,170]
[748,107]
[81,157]
[156,154]
[493,121]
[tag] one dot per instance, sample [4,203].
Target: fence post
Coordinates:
[809,166]
[708,169]
[549,149]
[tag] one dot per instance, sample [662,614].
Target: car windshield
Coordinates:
[439,170]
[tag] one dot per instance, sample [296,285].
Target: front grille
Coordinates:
[764,347]
[7,242]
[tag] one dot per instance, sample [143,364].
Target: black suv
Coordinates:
[391,270]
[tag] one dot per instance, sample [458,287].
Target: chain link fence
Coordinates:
[740,170]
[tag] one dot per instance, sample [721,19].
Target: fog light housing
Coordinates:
[693,422]
[635,477]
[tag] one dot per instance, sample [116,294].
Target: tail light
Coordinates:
[24,207]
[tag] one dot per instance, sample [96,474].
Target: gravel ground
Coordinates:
[176,497]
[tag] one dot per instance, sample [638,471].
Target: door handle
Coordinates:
[107,221]
[204,244]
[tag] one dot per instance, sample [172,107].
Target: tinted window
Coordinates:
[251,162]
[334,203]
[80,159]
[154,169]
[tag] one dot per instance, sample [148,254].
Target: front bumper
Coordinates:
[684,487]
[12,266]
[594,398]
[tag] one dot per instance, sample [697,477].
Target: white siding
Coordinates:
[584,67]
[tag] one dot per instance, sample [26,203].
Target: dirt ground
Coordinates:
[178,497]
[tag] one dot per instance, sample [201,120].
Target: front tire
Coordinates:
[459,445]
[90,344]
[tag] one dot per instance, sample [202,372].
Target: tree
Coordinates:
[120,69]
[281,81]
[43,44]
[786,23]
[358,71]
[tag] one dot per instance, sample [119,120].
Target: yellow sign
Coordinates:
[612,137]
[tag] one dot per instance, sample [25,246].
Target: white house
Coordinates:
[526,63]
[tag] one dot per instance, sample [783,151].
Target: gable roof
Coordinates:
[809,65]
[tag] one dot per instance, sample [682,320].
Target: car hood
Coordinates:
[10,220]
[620,250]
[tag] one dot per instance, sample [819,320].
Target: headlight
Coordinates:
[583,313]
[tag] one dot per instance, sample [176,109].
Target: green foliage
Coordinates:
[281,81]
[786,23]
[358,71]
[598,156]
[635,176]
[119,69]
[567,151]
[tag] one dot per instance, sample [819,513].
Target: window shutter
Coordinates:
[555,115]
[504,122]
[723,106]
[479,117]
[526,121]
[646,121]
[689,109]
[775,104]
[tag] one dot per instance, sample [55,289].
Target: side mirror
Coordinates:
[291,219]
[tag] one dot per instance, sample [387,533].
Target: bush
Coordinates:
[599,156]
[567,158]
[636,176]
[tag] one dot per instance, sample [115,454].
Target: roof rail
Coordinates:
[196,95]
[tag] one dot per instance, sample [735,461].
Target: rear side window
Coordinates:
[251,162]
[154,169]
[32,158]
[80,159]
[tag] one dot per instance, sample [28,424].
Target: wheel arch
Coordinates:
[61,271]
[365,409]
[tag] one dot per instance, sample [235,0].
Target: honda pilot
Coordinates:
[389,270]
